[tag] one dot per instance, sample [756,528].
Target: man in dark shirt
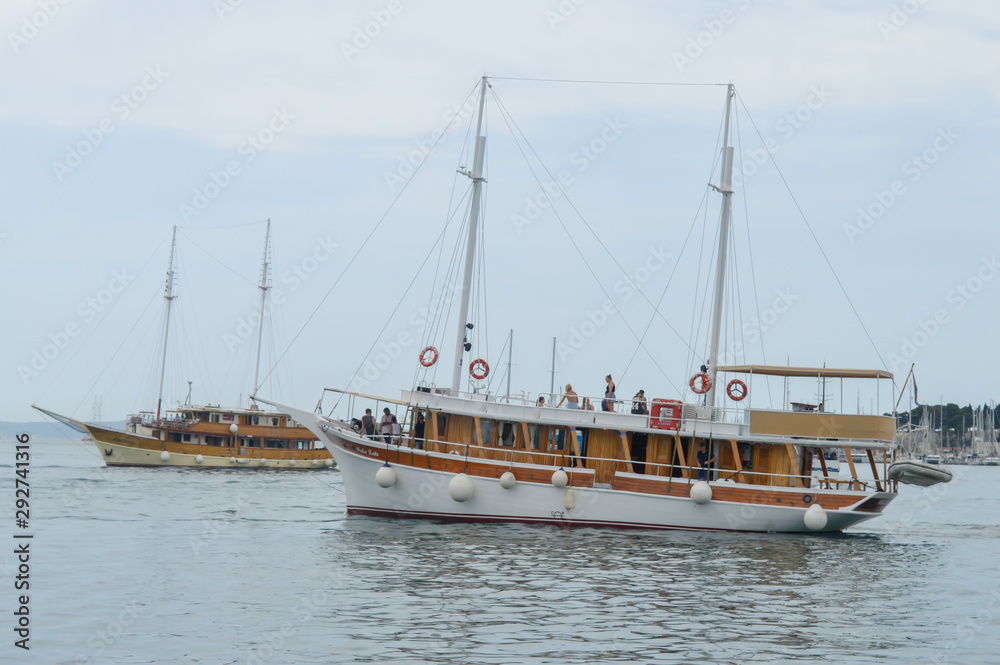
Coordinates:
[703,462]
[368,423]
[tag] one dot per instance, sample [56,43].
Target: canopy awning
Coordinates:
[815,372]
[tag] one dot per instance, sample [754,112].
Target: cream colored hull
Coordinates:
[115,454]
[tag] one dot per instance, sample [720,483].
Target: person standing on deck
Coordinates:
[703,462]
[639,403]
[368,423]
[386,424]
[608,403]
[397,431]
[420,427]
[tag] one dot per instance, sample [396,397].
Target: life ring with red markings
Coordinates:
[428,361]
[737,390]
[479,369]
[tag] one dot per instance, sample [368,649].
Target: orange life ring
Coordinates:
[703,387]
[479,369]
[734,394]
[423,356]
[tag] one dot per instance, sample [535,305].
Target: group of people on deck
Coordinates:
[572,400]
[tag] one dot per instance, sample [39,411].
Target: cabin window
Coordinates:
[558,441]
[275,443]
[215,417]
[507,435]
[535,434]
[274,421]
[186,416]
[213,440]
[175,436]
[442,423]
[256,420]
[303,445]
[187,438]
[253,443]
[487,428]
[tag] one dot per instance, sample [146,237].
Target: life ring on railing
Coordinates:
[700,387]
[736,390]
[479,369]
[424,359]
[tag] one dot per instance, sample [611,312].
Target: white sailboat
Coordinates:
[474,458]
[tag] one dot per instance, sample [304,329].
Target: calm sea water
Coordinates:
[185,566]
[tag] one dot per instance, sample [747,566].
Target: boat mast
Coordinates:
[263,286]
[476,175]
[169,296]
[510,352]
[726,189]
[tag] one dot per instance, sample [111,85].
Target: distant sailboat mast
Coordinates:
[263,286]
[476,175]
[726,189]
[169,296]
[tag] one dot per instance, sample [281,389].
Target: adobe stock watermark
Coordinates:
[390,351]
[213,528]
[34,23]
[914,169]
[121,108]
[293,278]
[581,159]
[407,164]
[594,320]
[86,312]
[753,329]
[786,127]
[714,28]
[363,35]
[900,16]
[248,149]
[100,640]
[958,297]
[562,12]
[223,8]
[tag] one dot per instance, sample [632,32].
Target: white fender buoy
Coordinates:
[570,499]
[263,461]
[815,517]
[164,456]
[233,428]
[242,460]
[701,492]
[329,463]
[461,488]
[507,480]
[385,476]
[292,462]
[560,478]
[315,462]
[199,459]
[232,460]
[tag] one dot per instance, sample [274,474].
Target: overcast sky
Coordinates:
[121,120]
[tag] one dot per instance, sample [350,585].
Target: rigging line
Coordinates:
[364,243]
[812,233]
[573,241]
[449,280]
[393,313]
[505,114]
[753,272]
[541,80]
[214,258]
[428,333]
[94,330]
[117,350]
[670,278]
[695,332]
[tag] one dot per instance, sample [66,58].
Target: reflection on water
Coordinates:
[237,567]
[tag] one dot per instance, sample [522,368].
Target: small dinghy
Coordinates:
[915,472]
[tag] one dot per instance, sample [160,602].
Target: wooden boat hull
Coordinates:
[119,448]
[422,479]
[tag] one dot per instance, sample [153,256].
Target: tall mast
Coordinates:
[263,286]
[168,295]
[510,352]
[476,175]
[726,189]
